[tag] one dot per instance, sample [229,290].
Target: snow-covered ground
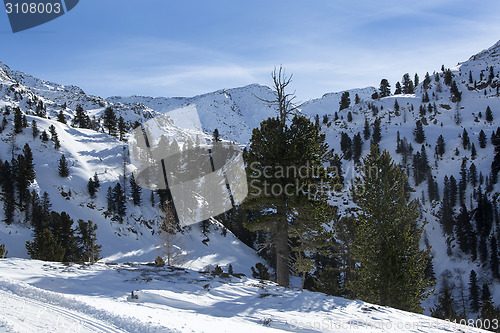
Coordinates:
[38,296]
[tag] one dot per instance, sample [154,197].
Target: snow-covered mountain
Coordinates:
[235,112]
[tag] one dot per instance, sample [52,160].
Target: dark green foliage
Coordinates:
[427,81]
[230,269]
[87,239]
[260,271]
[346,146]
[357,100]
[63,167]
[60,117]
[448,77]
[8,192]
[418,132]
[420,166]
[389,263]
[110,121]
[34,129]
[135,191]
[44,136]
[385,88]
[45,247]
[3,251]
[489,114]
[349,116]
[417,79]
[396,105]
[54,137]
[408,87]
[18,120]
[465,139]
[490,314]
[485,293]
[122,128]
[357,147]
[119,202]
[91,188]
[81,119]
[377,132]
[398,90]
[425,98]
[444,308]
[482,139]
[345,101]
[440,146]
[464,231]
[366,130]
[473,291]
[456,95]
[495,165]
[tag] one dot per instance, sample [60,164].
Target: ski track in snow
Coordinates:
[24,308]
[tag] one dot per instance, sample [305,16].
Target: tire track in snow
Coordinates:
[92,319]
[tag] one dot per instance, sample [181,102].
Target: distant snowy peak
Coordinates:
[234,112]
[483,59]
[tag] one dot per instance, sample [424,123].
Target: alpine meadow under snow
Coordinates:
[440,126]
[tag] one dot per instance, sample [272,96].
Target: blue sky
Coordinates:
[184,48]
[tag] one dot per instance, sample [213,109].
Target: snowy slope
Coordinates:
[43,296]
[234,112]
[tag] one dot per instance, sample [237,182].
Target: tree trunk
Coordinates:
[282,271]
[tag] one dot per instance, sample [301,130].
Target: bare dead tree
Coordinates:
[283,101]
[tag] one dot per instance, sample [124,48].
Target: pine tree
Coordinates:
[482,139]
[34,129]
[489,114]
[111,207]
[8,192]
[485,293]
[345,101]
[473,291]
[396,106]
[418,132]
[91,188]
[465,139]
[466,236]
[122,128]
[54,137]
[376,135]
[456,95]
[366,130]
[408,86]
[45,247]
[444,307]
[346,146]
[97,183]
[87,238]
[119,202]
[63,167]
[440,146]
[3,251]
[349,116]
[385,88]
[135,191]
[301,142]
[357,147]
[18,120]
[81,119]
[110,121]
[60,117]
[357,100]
[44,136]
[390,265]
[398,90]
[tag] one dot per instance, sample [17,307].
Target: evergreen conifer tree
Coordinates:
[63,167]
[110,121]
[440,146]
[357,147]
[398,90]
[419,132]
[60,117]
[444,308]
[345,101]
[45,247]
[385,88]
[18,120]
[377,132]
[366,130]
[135,191]
[34,129]
[489,114]
[482,139]
[473,291]
[87,238]
[390,265]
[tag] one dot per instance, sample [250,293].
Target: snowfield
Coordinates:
[38,296]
